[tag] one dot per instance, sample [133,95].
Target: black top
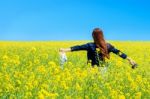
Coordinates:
[94,55]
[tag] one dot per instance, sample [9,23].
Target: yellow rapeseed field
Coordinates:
[32,70]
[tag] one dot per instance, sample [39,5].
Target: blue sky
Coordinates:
[74,19]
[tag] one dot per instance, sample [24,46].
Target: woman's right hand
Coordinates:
[63,50]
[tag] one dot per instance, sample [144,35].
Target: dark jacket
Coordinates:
[94,55]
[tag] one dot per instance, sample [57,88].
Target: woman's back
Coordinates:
[94,54]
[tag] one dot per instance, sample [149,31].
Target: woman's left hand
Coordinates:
[133,63]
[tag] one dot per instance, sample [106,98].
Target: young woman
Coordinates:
[98,50]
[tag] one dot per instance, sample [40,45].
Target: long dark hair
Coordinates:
[100,42]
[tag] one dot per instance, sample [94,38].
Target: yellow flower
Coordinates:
[129,76]
[29,86]
[5,57]
[64,85]
[4,65]
[7,77]
[41,69]
[78,87]
[138,95]
[51,63]
[16,57]
[114,93]
[41,96]
[36,61]
[16,62]
[122,97]
[133,85]
[100,91]
[56,70]
[10,87]
[28,94]
[45,86]
[45,92]
[68,97]
[18,82]
[33,49]
[127,94]
[53,95]
[139,79]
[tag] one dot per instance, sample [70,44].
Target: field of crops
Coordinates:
[32,70]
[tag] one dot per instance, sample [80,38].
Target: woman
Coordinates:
[98,50]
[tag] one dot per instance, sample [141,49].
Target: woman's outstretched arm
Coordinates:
[74,48]
[122,55]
